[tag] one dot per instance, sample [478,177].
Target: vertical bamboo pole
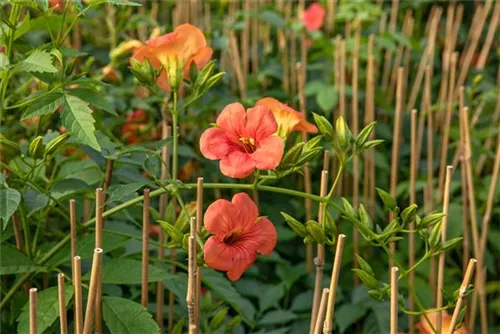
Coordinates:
[411,235]
[17,232]
[394,300]
[319,261]
[160,289]
[191,288]
[388,53]
[99,210]
[77,285]
[293,52]
[254,50]
[462,295]
[282,45]
[426,107]
[91,300]
[33,311]
[199,223]
[330,16]
[237,66]
[446,127]
[63,320]
[245,41]
[395,144]
[369,165]
[485,51]
[72,223]
[442,255]
[321,311]
[145,248]
[330,308]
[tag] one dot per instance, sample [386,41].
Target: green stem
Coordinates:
[175,140]
[61,28]
[13,19]
[335,182]
[30,101]
[26,232]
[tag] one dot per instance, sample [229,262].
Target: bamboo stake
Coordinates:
[355,161]
[395,144]
[485,51]
[91,300]
[430,145]
[319,261]
[469,52]
[199,223]
[77,285]
[245,41]
[145,248]
[426,58]
[17,232]
[369,165]
[442,255]
[293,52]
[33,311]
[388,52]
[426,107]
[72,223]
[99,210]
[394,300]
[462,295]
[321,311]
[191,288]
[254,50]
[330,15]
[307,171]
[446,127]
[411,236]
[330,308]
[342,78]
[236,63]
[165,167]
[62,304]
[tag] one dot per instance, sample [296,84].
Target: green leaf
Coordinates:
[4,61]
[277,317]
[39,61]
[13,261]
[273,18]
[123,191]
[68,187]
[366,278]
[77,119]
[327,98]
[347,314]
[123,316]
[48,309]
[34,200]
[177,284]
[94,98]
[44,106]
[127,271]
[221,286]
[9,201]
[270,297]
[389,202]
[85,246]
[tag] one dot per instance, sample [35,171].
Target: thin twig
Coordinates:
[330,309]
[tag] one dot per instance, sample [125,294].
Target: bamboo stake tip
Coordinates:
[395,270]
[33,290]
[146,191]
[414,111]
[77,258]
[72,201]
[341,236]
[61,276]
[473,261]
[98,190]
[200,179]
[98,250]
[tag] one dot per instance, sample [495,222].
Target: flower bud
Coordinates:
[389,202]
[364,217]
[144,72]
[218,319]
[366,278]
[408,215]
[36,148]
[343,133]
[295,225]
[171,231]
[324,126]
[291,156]
[316,231]
[364,134]
[435,236]
[55,144]
[430,219]
[8,148]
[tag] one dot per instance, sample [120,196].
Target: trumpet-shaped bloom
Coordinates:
[182,47]
[238,234]
[313,17]
[243,140]
[287,118]
[424,327]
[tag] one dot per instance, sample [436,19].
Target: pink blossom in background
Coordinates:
[313,17]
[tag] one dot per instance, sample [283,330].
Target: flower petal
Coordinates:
[237,165]
[232,120]
[260,123]
[306,127]
[215,144]
[263,236]
[269,153]
[221,218]
[247,208]
[217,254]
[243,258]
[202,57]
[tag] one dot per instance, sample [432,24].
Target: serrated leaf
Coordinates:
[123,316]
[47,312]
[221,286]
[123,191]
[94,98]
[12,261]
[9,201]
[39,61]
[127,271]
[44,106]
[77,119]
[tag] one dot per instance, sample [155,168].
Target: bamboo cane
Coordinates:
[369,112]
[91,300]
[321,311]
[99,210]
[145,248]
[485,51]
[331,6]
[191,288]
[394,300]
[33,311]
[199,223]
[411,235]
[77,285]
[330,308]
[462,295]
[63,320]
[388,52]
[355,130]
